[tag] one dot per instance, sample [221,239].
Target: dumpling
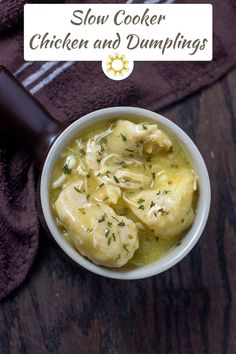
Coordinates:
[98,233]
[166,210]
[130,138]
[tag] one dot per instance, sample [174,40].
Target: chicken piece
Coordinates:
[126,179]
[132,180]
[130,138]
[68,165]
[108,194]
[156,140]
[93,151]
[167,210]
[97,232]
[111,161]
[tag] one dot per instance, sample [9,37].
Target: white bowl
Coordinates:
[203,205]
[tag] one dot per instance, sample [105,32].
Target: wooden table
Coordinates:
[189,309]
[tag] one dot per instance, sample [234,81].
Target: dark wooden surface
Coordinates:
[189,309]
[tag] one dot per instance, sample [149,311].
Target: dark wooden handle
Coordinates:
[23,115]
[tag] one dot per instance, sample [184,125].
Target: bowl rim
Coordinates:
[193,234]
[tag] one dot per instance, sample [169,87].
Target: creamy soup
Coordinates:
[124,193]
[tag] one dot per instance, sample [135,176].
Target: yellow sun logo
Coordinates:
[117,64]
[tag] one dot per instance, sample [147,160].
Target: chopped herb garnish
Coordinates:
[114,236]
[140,200]
[109,224]
[118,257]
[129,150]
[162,211]
[107,232]
[116,179]
[123,164]
[77,190]
[148,159]
[144,127]
[126,179]
[87,196]
[98,160]
[153,175]
[158,193]
[152,204]
[182,221]
[109,241]
[125,247]
[121,223]
[102,218]
[157,238]
[115,219]
[155,213]
[123,137]
[141,207]
[101,185]
[82,152]
[66,169]
[166,192]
